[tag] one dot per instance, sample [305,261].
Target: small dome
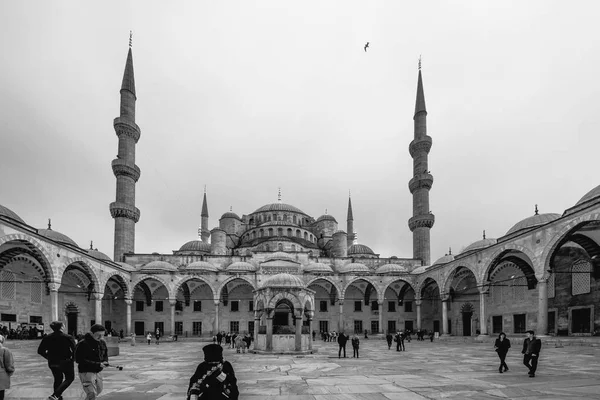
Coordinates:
[326,217]
[420,270]
[280,255]
[202,266]
[126,266]
[7,212]
[354,268]
[241,266]
[390,269]
[195,246]
[533,221]
[339,231]
[446,259]
[285,281]
[158,266]
[359,249]
[57,237]
[230,214]
[592,194]
[480,244]
[279,207]
[318,268]
[99,255]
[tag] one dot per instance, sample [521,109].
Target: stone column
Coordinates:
[53,300]
[128,304]
[542,323]
[98,304]
[172,302]
[256,326]
[298,344]
[269,345]
[444,316]
[418,304]
[310,317]
[341,317]
[216,327]
[380,303]
[482,316]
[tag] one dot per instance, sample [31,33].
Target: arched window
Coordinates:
[580,277]
[269,217]
[253,235]
[270,231]
[267,247]
[36,291]
[290,232]
[293,247]
[294,219]
[251,221]
[274,217]
[279,231]
[262,233]
[7,285]
[280,246]
[305,236]
[298,234]
[285,217]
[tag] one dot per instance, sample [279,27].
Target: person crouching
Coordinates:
[91,355]
[214,378]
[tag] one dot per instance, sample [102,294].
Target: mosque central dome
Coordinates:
[279,207]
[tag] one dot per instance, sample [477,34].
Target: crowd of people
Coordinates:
[21,332]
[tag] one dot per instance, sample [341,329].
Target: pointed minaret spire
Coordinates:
[536,210]
[279,196]
[204,231]
[423,219]
[91,245]
[484,234]
[123,209]
[350,223]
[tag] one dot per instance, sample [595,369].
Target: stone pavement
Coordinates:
[426,370]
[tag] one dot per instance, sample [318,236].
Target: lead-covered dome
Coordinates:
[230,214]
[533,221]
[99,255]
[241,266]
[354,268]
[592,194]
[326,217]
[445,259]
[357,249]
[478,245]
[279,207]
[284,281]
[7,212]
[317,268]
[194,246]
[280,255]
[158,266]
[57,237]
[202,266]
[391,269]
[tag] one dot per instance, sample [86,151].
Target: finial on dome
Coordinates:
[419,62]
[279,195]
[91,245]
[130,39]
[49,224]
[536,210]
[449,251]
[484,233]
[325,211]
[230,208]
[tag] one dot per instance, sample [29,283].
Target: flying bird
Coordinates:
[366,45]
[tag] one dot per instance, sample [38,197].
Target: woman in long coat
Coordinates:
[7,367]
[501,346]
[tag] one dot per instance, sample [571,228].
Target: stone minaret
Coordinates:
[204,232]
[123,210]
[350,224]
[422,219]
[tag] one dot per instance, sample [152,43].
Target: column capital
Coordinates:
[128,302]
[53,286]
[418,302]
[381,302]
[172,302]
[97,296]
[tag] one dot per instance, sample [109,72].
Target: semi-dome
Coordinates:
[354,268]
[7,212]
[390,269]
[241,266]
[284,281]
[279,207]
[326,217]
[280,255]
[359,249]
[98,254]
[318,268]
[202,266]
[230,214]
[447,258]
[57,237]
[480,244]
[592,194]
[195,246]
[161,266]
[533,221]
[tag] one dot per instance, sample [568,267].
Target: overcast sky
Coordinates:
[246,97]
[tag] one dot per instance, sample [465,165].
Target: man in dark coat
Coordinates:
[59,349]
[501,345]
[91,355]
[531,352]
[355,345]
[214,378]
[342,339]
[389,338]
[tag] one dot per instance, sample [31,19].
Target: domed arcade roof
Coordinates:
[230,214]
[57,237]
[354,268]
[7,212]
[240,266]
[447,258]
[318,268]
[279,207]
[158,266]
[533,221]
[284,280]
[195,246]
[359,249]
[595,192]
[98,254]
[480,244]
[390,269]
[202,266]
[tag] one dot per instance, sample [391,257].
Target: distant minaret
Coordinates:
[204,232]
[350,223]
[422,219]
[123,210]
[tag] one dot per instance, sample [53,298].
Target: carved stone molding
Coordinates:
[422,181]
[421,221]
[122,210]
[422,144]
[127,128]
[124,168]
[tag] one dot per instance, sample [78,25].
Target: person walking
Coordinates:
[355,344]
[7,367]
[531,352]
[342,339]
[149,338]
[91,355]
[389,339]
[59,349]
[501,346]
[157,336]
[214,378]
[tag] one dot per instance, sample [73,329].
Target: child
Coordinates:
[149,337]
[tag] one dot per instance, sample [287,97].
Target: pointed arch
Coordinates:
[141,278]
[231,278]
[31,247]
[518,255]
[121,281]
[333,292]
[457,270]
[427,282]
[201,278]
[359,278]
[278,297]
[405,288]
[83,265]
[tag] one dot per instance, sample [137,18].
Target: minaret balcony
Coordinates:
[122,167]
[123,210]
[126,127]
[421,221]
[420,145]
[420,181]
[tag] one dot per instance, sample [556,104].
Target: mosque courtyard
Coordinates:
[438,370]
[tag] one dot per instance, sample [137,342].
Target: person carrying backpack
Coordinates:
[214,378]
